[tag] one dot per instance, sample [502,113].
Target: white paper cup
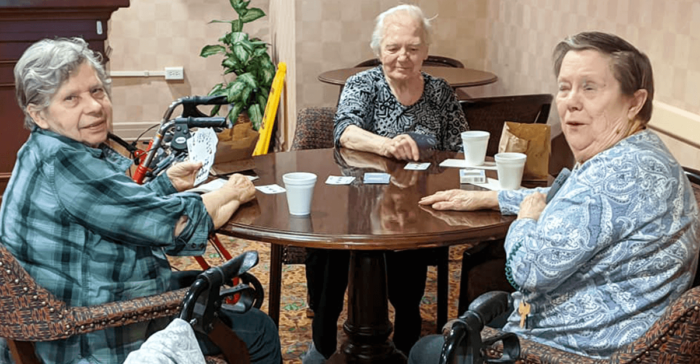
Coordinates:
[510,169]
[474,143]
[300,191]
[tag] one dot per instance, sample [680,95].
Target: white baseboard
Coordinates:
[680,131]
[676,123]
[131,130]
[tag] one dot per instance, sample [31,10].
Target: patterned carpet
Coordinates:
[295,327]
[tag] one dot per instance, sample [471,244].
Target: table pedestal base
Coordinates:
[368,326]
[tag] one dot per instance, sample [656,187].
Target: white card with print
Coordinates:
[201,147]
[339,180]
[417,166]
[270,189]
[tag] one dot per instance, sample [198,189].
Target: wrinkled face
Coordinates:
[594,113]
[402,50]
[80,109]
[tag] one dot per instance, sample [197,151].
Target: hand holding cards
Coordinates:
[201,147]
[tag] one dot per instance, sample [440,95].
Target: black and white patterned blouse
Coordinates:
[367,102]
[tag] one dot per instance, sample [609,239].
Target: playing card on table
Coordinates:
[417,166]
[201,147]
[377,178]
[270,189]
[339,180]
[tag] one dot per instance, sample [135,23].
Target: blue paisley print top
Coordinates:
[367,102]
[616,245]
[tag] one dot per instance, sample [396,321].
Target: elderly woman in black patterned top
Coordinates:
[388,110]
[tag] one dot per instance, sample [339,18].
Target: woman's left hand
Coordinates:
[532,206]
[182,175]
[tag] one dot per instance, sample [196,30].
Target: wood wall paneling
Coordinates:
[23,22]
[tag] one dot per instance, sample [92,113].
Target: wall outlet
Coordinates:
[174,73]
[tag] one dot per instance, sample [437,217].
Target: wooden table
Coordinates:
[367,220]
[455,77]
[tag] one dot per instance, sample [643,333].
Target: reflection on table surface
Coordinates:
[361,216]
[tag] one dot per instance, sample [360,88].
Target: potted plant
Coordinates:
[249,60]
[247,94]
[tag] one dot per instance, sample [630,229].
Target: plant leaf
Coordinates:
[236,26]
[252,14]
[255,114]
[264,92]
[211,50]
[234,112]
[249,80]
[259,51]
[262,100]
[235,90]
[231,61]
[241,52]
[215,110]
[216,90]
[245,95]
[222,21]
[238,37]
[268,73]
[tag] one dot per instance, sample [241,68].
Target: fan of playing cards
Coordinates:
[175,142]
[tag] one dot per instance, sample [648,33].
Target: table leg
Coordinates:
[368,326]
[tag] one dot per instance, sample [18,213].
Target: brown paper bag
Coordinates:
[234,152]
[532,140]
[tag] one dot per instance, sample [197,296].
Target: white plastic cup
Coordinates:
[510,168]
[300,191]
[474,143]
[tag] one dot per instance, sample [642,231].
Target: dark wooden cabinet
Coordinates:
[23,22]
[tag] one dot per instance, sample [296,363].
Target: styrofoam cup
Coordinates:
[300,191]
[510,168]
[474,143]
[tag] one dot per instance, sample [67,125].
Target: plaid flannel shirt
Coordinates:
[90,235]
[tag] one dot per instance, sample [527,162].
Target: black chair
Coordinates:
[673,338]
[433,61]
[314,130]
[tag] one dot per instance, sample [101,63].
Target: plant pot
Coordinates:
[234,152]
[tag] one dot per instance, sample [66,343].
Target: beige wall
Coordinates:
[332,34]
[154,34]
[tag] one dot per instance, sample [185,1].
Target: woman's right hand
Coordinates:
[401,147]
[462,200]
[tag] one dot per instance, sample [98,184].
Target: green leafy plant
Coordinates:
[249,60]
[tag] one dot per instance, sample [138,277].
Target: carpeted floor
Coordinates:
[295,328]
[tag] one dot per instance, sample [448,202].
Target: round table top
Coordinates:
[455,77]
[361,216]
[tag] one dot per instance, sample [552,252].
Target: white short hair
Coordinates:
[413,12]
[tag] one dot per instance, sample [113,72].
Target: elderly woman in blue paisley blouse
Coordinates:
[389,110]
[619,241]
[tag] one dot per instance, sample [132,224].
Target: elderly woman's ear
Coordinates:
[638,100]
[37,114]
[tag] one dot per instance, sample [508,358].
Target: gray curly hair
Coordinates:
[46,65]
[412,11]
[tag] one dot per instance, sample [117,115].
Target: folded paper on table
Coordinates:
[491,184]
[461,163]
[533,141]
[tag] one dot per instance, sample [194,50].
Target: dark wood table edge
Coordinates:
[362,242]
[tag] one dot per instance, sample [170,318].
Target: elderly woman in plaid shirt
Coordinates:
[82,228]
